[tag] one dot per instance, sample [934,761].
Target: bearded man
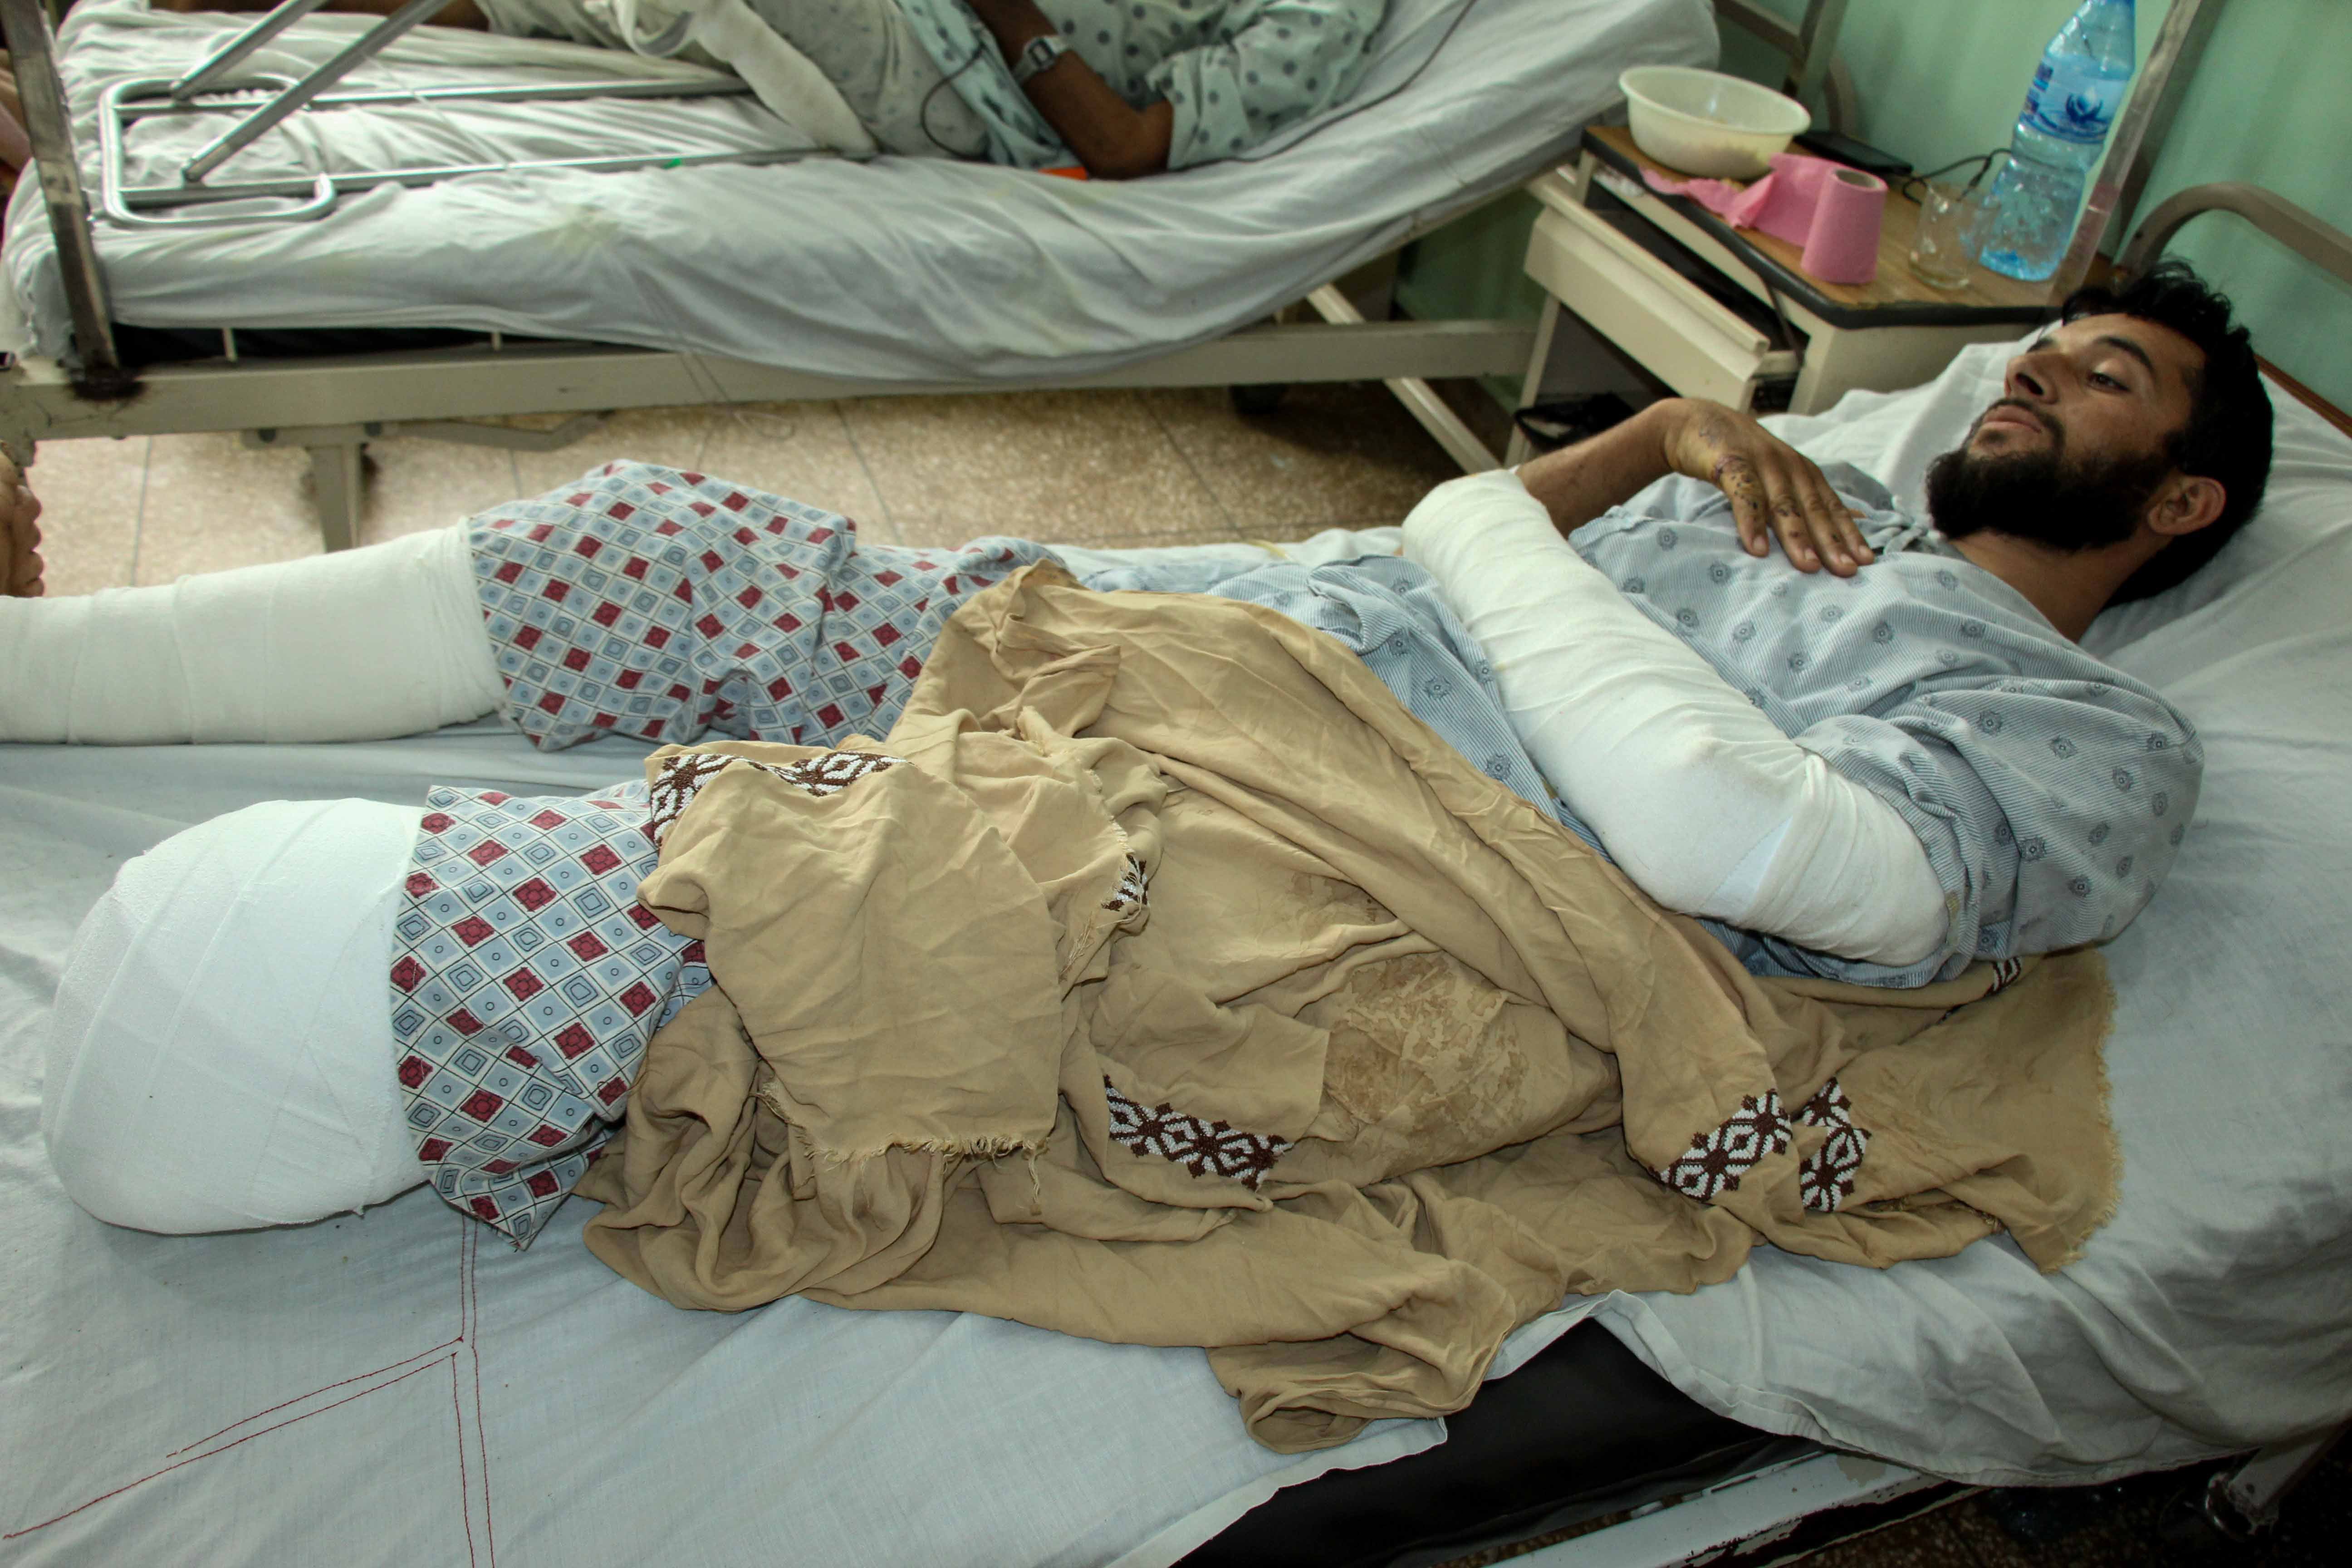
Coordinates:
[1880,766]
[1881,770]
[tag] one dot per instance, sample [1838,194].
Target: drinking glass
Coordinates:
[1939,246]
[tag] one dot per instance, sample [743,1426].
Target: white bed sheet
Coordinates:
[992,273]
[402,1387]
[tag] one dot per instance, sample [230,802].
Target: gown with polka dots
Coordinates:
[1234,71]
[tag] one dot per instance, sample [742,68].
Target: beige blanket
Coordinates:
[1162,979]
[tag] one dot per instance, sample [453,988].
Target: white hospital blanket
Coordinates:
[901,269]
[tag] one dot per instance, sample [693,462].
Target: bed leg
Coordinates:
[2244,1502]
[337,474]
[339,483]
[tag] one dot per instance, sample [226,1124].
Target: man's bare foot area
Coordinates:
[20,533]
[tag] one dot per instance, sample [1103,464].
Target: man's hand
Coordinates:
[1773,488]
[20,534]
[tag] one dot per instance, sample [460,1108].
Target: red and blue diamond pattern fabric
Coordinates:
[654,603]
[525,982]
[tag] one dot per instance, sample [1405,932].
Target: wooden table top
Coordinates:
[1896,291]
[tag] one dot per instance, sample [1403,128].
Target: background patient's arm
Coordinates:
[1707,805]
[1112,138]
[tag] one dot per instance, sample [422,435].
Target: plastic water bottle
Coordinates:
[2077,88]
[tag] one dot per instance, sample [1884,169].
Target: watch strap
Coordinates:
[1039,54]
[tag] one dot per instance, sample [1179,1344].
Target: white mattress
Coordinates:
[387,1387]
[990,273]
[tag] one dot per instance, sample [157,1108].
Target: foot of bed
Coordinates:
[2243,1502]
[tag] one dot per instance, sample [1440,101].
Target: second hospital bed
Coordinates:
[571,291]
[386,1387]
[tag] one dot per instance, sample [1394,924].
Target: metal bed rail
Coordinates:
[124,103]
[32,50]
[2307,234]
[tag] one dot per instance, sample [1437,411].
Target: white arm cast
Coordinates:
[1707,806]
[360,644]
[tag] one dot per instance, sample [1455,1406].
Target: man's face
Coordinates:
[2076,445]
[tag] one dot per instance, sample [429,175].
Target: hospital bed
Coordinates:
[388,1386]
[578,291]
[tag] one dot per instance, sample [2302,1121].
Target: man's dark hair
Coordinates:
[2227,437]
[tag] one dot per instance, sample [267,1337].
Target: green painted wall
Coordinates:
[1941,78]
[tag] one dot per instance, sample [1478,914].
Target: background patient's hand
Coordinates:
[1773,488]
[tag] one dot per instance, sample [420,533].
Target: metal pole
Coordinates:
[2309,236]
[32,49]
[132,109]
[2198,32]
[241,45]
[1817,37]
[2170,63]
[374,41]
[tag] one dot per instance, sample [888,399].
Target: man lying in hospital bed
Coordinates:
[1124,88]
[1970,783]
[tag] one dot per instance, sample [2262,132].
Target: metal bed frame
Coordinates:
[332,406]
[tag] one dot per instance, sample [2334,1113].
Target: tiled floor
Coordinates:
[2144,1522]
[1114,468]
[1105,467]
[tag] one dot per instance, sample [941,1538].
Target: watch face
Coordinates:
[1038,54]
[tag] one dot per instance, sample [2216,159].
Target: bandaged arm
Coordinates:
[1697,796]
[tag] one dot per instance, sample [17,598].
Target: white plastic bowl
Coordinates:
[1704,122]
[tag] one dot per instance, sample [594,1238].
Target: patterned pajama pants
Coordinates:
[526,979]
[660,604]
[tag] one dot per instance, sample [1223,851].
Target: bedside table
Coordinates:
[1724,314]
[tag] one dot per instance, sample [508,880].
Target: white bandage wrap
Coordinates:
[1707,806]
[359,645]
[221,1054]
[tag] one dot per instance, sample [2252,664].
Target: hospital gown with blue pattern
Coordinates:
[1233,72]
[2050,791]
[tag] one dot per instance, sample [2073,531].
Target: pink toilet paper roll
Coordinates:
[1841,241]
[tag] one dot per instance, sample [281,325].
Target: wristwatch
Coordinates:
[1037,54]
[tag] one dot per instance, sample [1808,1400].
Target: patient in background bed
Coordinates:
[1879,772]
[1123,88]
